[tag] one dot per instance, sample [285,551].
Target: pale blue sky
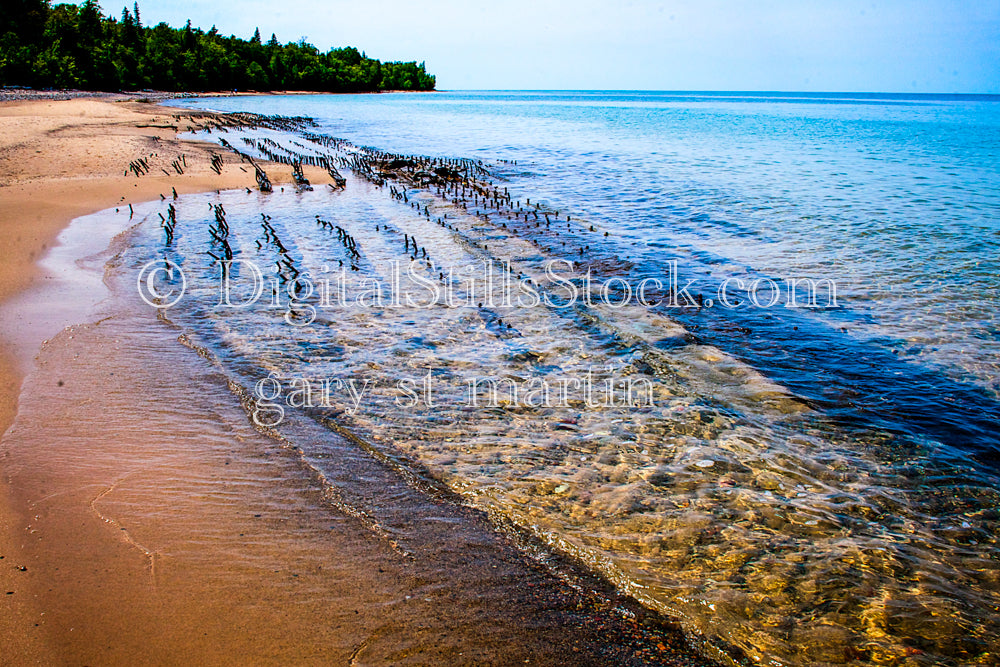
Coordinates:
[802,45]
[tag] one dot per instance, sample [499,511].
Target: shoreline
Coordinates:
[61,159]
[66,467]
[59,164]
[17,94]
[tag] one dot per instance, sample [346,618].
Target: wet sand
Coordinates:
[60,159]
[63,159]
[142,519]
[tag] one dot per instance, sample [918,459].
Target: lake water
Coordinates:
[806,478]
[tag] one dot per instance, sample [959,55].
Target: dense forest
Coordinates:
[76,46]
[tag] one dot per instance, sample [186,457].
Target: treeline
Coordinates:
[76,46]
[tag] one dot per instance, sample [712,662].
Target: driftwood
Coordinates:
[301,182]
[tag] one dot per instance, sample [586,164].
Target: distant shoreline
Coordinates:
[15,93]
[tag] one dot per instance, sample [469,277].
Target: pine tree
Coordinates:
[76,45]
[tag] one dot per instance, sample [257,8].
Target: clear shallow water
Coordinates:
[895,199]
[809,485]
[229,543]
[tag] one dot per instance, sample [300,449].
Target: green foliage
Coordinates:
[76,46]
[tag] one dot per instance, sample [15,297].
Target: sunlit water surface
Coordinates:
[801,485]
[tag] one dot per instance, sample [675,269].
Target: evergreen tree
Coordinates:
[77,46]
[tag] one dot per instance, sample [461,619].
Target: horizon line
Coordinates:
[702,91]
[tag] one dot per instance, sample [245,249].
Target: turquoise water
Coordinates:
[809,484]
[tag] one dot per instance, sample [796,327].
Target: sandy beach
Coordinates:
[60,159]
[141,523]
